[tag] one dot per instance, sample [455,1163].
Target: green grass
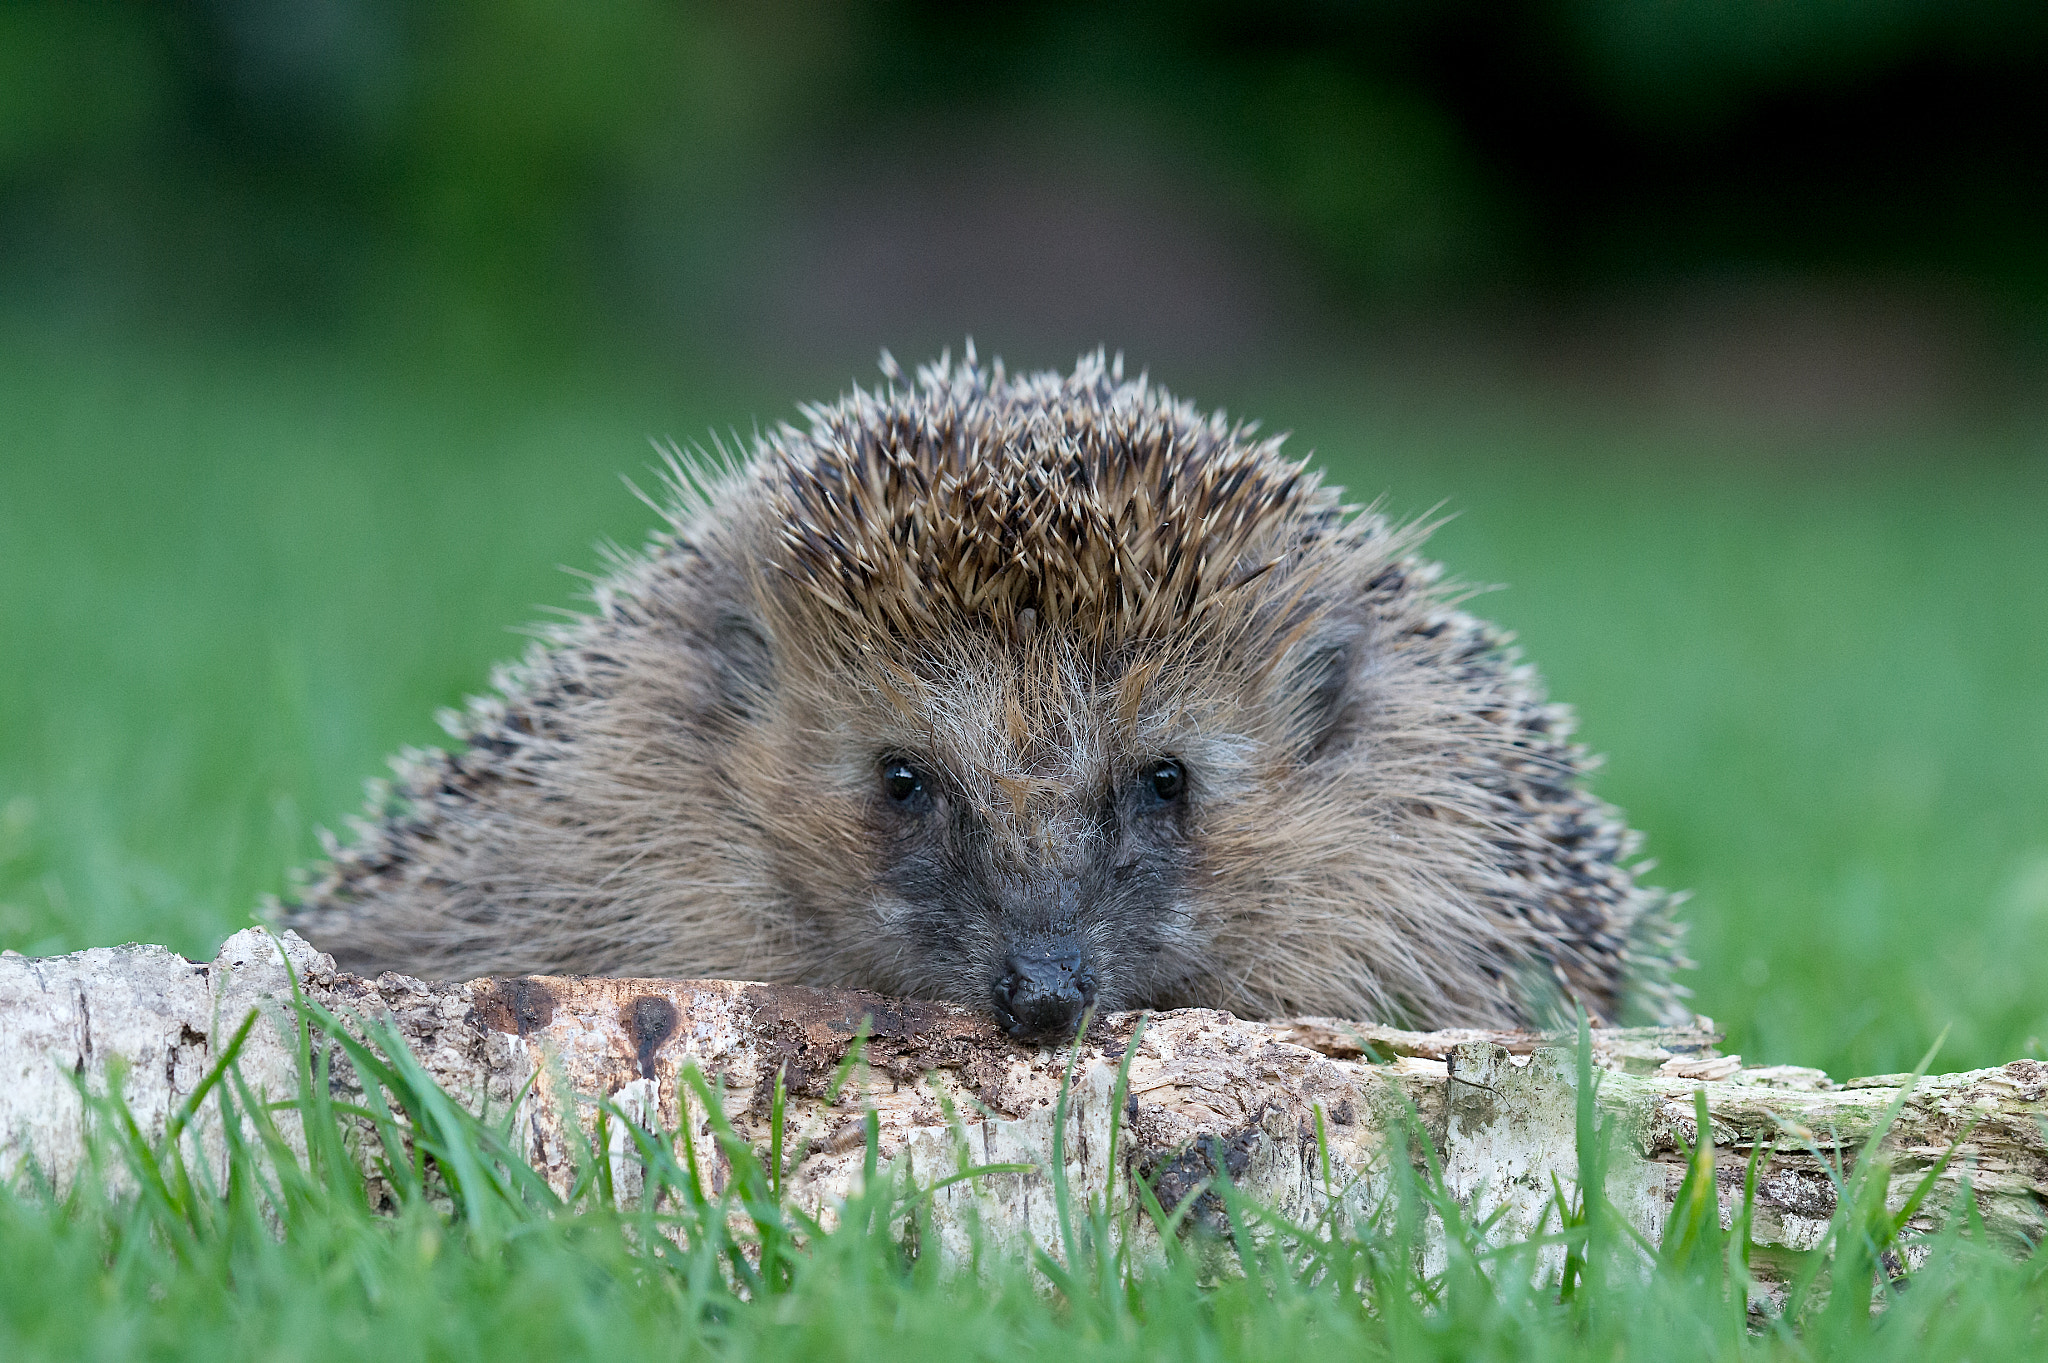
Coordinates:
[231,582]
[460,1250]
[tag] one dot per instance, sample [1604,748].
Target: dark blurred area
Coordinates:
[1798,204]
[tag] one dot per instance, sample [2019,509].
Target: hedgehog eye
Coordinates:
[1168,780]
[901,783]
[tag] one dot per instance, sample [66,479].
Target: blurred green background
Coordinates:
[328,326]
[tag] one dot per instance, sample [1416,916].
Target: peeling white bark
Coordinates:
[1205,1090]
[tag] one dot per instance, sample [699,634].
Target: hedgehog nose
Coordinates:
[1044,991]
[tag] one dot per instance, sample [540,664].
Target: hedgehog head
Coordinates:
[1041,648]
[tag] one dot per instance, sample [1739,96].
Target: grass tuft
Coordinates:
[452,1246]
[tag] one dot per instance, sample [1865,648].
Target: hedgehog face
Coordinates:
[1037,804]
[1028,851]
[1041,897]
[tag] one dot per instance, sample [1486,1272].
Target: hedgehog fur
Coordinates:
[1035,693]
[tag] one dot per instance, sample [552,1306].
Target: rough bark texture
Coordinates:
[1206,1091]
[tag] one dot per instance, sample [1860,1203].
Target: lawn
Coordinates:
[460,1251]
[235,581]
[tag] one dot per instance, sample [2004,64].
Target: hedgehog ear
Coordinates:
[1319,688]
[746,661]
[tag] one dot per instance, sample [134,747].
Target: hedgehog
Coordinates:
[1039,694]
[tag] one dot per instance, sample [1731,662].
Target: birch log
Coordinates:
[1207,1092]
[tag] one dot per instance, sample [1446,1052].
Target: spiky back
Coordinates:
[1105,508]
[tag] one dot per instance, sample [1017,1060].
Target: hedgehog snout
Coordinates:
[1045,987]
